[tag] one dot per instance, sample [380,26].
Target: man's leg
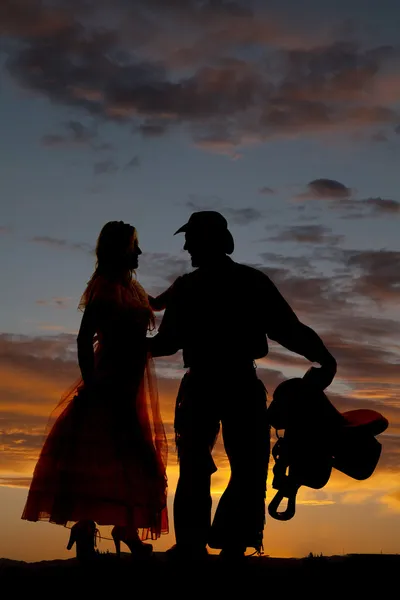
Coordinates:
[196,430]
[240,516]
[192,502]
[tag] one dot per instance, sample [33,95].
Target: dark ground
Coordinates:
[348,576]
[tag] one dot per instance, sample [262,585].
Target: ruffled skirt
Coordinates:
[104,459]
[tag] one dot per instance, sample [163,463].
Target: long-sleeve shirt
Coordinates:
[225,314]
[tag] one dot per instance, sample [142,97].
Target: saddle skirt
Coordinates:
[316,439]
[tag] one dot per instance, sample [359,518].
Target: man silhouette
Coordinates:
[220,315]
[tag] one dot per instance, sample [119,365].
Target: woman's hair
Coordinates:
[113,254]
[113,249]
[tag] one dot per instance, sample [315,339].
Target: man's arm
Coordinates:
[167,341]
[160,302]
[284,327]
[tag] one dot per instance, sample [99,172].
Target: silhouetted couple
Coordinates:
[220,315]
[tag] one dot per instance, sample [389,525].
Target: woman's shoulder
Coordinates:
[102,291]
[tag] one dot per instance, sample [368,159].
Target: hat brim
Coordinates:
[229,244]
[182,229]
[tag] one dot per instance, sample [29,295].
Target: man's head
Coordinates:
[207,237]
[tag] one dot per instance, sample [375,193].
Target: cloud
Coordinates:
[29,18]
[57,302]
[51,327]
[61,243]
[236,216]
[384,206]
[379,137]
[151,130]
[365,347]
[297,263]
[44,239]
[313,295]
[326,189]
[104,146]
[105,167]
[219,145]
[204,202]
[76,134]
[161,269]
[365,361]
[132,164]
[242,216]
[132,68]
[5,230]
[50,140]
[367,372]
[359,278]
[49,367]
[266,190]
[366,208]
[340,197]
[308,234]
[80,133]
[378,277]
[35,372]
[95,189]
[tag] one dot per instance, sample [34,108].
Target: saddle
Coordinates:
[316,439]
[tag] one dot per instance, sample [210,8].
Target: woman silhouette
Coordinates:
[104,458]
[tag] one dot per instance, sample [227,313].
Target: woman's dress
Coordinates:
[104,457]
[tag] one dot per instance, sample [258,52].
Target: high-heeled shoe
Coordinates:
[138,548]
[84,534]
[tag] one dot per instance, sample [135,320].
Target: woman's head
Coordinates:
[117,252]
[117,249]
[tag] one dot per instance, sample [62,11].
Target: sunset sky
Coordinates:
[285,117]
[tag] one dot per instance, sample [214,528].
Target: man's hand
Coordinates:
[322,376]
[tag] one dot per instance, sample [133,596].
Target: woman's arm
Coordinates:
[85,344]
